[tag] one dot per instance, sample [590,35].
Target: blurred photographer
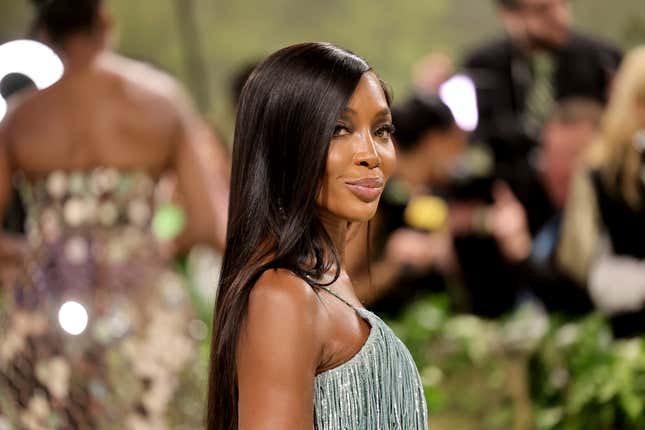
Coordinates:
[539,60]
[568,133]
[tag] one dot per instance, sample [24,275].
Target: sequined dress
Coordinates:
[95,329]
[379,388]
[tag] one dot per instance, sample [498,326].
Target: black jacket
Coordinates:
[626,229]
[503,77]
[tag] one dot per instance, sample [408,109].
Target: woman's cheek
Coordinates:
[388,160]
[337,158]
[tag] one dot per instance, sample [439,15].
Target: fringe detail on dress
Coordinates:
[377,389]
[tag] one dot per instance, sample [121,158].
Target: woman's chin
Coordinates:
[360,215]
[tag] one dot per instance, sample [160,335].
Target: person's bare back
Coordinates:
[119,113]
[116,112]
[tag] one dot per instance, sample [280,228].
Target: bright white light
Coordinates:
[73,318]
[3,108]
[459,94]
[32,59]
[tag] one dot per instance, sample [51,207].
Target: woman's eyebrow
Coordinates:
[384,113]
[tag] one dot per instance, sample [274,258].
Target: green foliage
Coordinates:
[526,371]
[591,381]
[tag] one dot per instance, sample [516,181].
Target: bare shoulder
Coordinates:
[280,345]
[283,311]
[148,78]
[278,353]
[279,293]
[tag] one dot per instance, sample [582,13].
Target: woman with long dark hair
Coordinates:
[292,346]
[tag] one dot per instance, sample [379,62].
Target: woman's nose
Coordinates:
[366,154]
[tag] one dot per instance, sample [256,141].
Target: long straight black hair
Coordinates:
[286,118]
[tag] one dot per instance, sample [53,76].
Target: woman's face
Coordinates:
[361,155]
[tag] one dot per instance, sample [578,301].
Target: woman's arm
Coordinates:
[5,172]
[11,248]
[202,182]
[278,353]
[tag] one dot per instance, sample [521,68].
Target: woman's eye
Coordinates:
[386,131]
[341,130]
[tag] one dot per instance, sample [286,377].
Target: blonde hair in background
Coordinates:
[613,152]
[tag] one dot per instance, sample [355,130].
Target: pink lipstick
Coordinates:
[366,189]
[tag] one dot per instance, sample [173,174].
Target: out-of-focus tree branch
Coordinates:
[194,60]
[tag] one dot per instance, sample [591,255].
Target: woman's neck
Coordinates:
[81,51]
[337,229]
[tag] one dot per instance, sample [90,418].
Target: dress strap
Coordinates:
[338,296]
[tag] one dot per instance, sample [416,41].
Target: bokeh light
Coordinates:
[459,94]
[32,59]
[168,222]
[73,318]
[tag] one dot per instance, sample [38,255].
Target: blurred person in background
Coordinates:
[569,130]
[519,76]
[13,87]
[96,328]
[412,246]
[604,226]
[430,72]
[494,243]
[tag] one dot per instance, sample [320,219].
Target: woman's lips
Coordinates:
[366,189]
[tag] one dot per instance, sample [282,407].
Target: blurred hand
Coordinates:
[507,222]
[460,218]
[419,250]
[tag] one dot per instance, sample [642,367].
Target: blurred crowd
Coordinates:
[541,203]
